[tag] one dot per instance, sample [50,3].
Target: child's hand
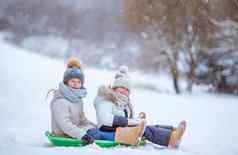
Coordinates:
[142,115]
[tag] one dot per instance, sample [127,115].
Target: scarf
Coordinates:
[71,94]
[124,103]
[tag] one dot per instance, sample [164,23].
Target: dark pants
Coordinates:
[158,134]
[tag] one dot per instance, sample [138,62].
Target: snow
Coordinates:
[24,113]
[55,46]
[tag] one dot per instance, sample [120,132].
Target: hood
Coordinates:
[105,93]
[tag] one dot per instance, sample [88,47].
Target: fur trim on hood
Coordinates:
[107,93]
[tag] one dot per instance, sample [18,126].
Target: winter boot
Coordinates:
[176,135]
[130,135]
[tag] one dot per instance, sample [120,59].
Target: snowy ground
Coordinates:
[24,114]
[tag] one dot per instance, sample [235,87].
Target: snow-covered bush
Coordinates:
[219,65]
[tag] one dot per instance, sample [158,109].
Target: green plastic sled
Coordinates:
[71,142]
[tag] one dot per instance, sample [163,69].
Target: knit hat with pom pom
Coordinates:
[74,70]
[122,78]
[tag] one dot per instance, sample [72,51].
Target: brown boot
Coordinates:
[130,135]
[176,135]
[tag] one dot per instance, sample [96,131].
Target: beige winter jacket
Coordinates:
[68,118]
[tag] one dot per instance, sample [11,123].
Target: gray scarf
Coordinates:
[124,103]
[71,94]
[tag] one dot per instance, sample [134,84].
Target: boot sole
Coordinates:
[181,129]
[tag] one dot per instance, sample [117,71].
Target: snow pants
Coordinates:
[158,134]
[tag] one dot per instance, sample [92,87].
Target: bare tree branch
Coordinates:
[236,3]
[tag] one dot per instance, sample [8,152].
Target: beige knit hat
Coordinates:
[122,78]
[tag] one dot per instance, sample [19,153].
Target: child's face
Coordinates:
[74,83]
[121,90]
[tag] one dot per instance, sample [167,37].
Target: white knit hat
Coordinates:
[122,78]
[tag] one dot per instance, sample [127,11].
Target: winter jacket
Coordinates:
[109,114]
[68,118]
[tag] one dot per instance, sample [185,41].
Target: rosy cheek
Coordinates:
[125,93]
[77,85]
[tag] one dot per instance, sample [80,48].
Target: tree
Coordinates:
[184,23]
[222,59]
